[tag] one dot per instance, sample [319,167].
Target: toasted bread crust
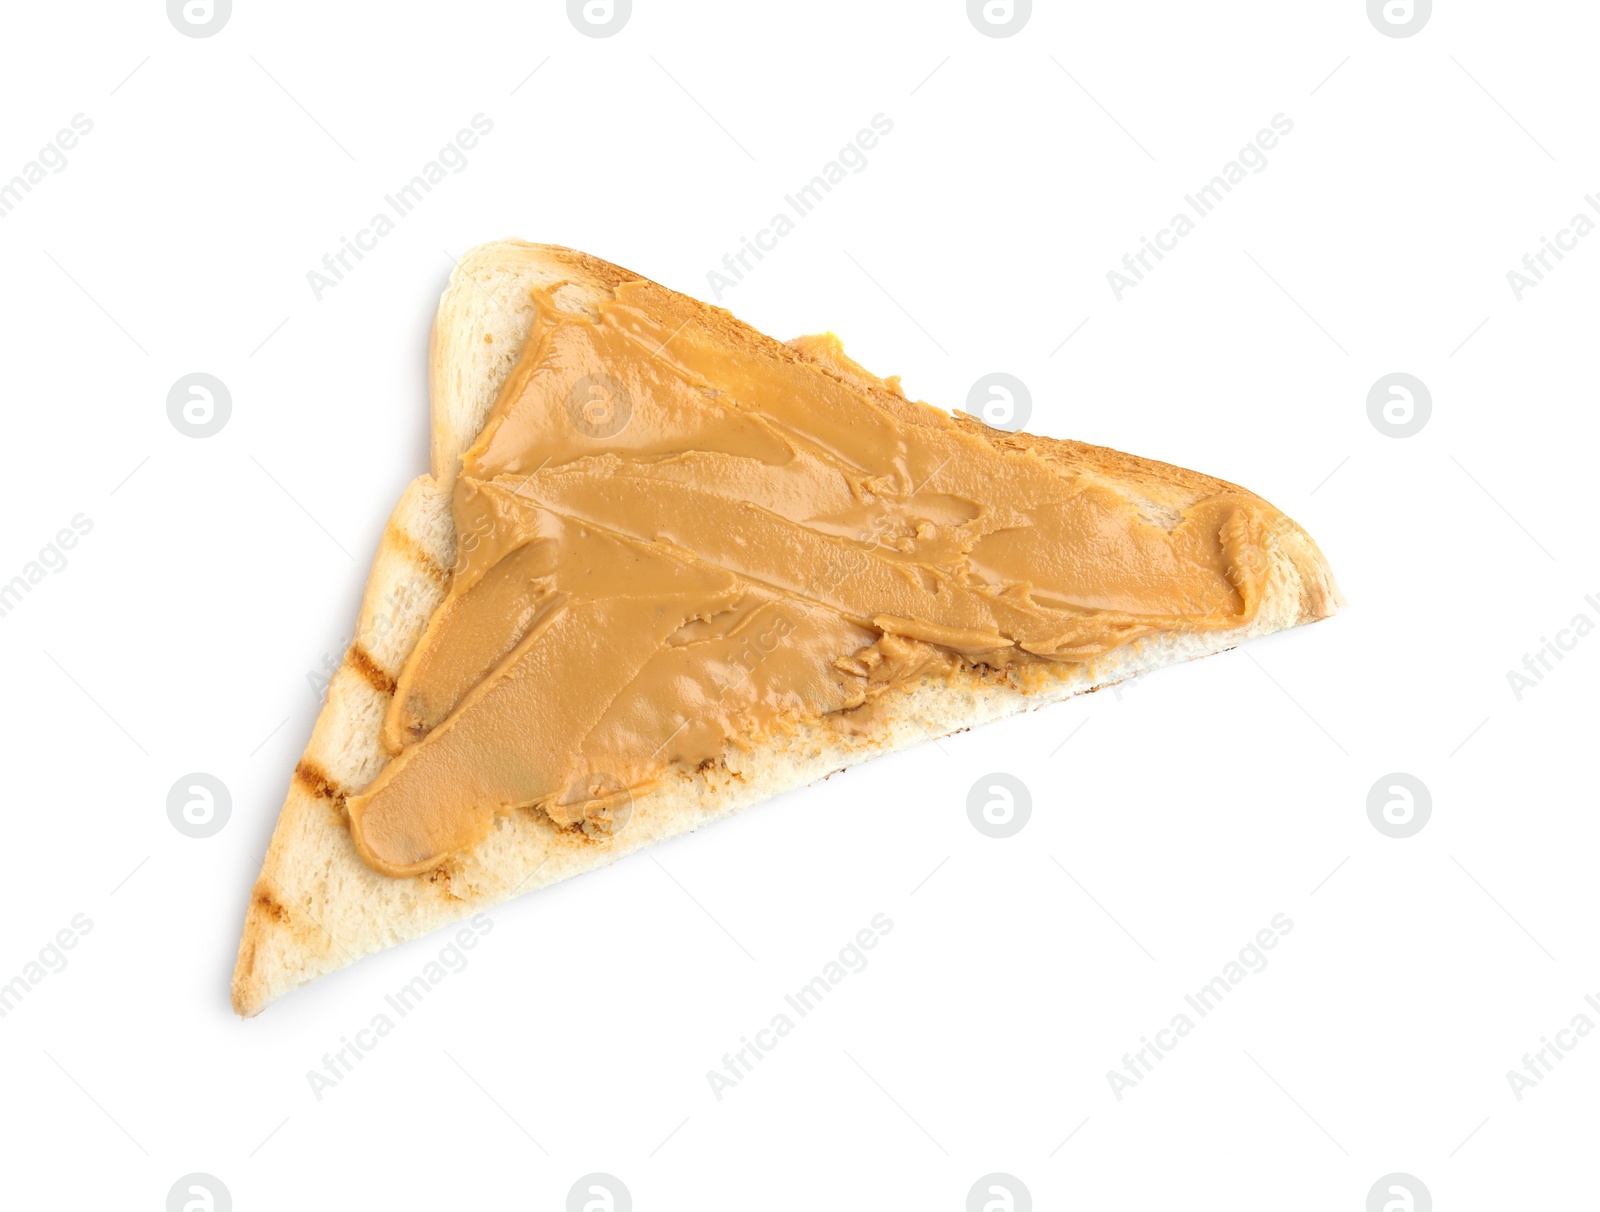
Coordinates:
[316,907]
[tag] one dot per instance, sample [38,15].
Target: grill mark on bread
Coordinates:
[265,902]
[361,660]
[421,557]
[315,780]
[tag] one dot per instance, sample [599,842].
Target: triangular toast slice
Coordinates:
[360,862]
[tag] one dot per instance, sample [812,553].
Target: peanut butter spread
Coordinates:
[676,535]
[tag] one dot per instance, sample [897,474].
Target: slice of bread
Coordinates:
[317,907]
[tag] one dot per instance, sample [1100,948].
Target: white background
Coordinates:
[1189,809]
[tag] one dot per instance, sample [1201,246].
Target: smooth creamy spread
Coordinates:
[675,535]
